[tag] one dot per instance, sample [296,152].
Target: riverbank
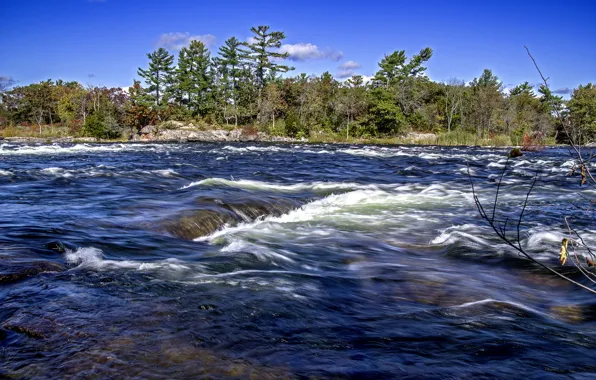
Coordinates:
[178,132]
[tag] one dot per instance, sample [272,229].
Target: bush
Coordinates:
[102,127]
[292,122]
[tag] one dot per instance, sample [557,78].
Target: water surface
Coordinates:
[284,261]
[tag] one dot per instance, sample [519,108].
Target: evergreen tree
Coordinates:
[394,68]
[582,110]
[229,70]
[486,101]
[260,56]
[158,76]
[194,78]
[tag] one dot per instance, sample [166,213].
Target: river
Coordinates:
[285,261]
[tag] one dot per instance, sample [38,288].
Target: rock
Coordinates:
[32,324]
[416,136]
[178,135]
[58,246]
[235,134]
[515,152]
[196,223]
[148,129]
[172,125]
[220,135]
[85,139]
[18,271]
[245,137]
[209,136]
[568,313]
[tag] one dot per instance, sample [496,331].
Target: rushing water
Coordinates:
[284,261]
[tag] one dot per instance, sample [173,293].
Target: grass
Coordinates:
[454,138]
[33,131]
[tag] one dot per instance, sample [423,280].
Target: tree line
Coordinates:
[248,84]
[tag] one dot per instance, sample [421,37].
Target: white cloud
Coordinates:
[308,51]
[178,40]
[251,40]
[349,65]
[343,74]
[365,78]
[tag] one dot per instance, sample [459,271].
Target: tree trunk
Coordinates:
[348,128]
[157,91]
[235,113]
[259,106]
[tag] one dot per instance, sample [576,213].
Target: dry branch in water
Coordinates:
[575,241]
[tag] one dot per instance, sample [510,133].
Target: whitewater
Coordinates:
[286,261]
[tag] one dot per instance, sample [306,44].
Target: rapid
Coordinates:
[286,261]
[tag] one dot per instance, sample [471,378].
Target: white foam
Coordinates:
[253,149]
[456,234]
[78,148]
[258,185]
[60,172]
[91,257]
[491,300]
[358,208]
[165,172]
[260,252]
[542,238]
[6,172]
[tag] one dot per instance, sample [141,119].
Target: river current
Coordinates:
[286,261]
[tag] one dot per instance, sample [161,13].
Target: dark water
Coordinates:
[282,261]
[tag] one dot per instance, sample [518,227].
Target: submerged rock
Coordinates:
[58,246]
[196,223]
[17,271]
[32,324]
[568,313]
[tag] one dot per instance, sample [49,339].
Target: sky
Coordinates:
[104,42]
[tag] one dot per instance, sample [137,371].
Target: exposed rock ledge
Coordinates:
[190,134]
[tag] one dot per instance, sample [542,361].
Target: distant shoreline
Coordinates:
[388,141]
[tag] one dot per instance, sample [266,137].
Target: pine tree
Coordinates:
[259,55]
[194,78]
[394,68]
[229,70]
[158,76]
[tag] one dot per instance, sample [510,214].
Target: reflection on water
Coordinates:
[283,261]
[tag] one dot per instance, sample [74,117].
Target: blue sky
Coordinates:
[103,42]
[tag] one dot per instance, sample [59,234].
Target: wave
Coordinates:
[6,173]
[323,187]
[91,257]
[59,172]
[252,149]
[363,208]
[376,152]
[458,234]
[10,149]
[101,171]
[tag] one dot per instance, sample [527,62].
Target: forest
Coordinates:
[249,85]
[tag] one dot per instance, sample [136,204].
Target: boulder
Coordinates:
[148,129]
[235,134]
[215,135]
[18,271]
[173,135]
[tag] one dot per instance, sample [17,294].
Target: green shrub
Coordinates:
[102,127]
